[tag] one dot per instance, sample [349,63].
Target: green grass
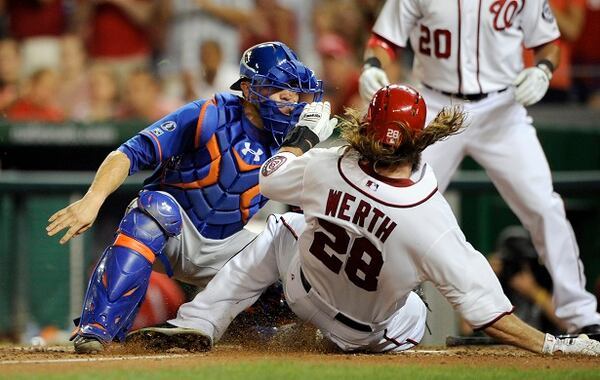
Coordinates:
[267,369]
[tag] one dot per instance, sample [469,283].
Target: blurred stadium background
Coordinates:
[78,77]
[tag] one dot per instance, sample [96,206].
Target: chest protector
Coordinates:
[217,185]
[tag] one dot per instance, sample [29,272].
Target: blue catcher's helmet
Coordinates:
[271,67]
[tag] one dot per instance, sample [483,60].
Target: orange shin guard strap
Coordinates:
[131,243]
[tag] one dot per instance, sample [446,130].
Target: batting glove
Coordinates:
[315,116]
[582,345]
[371,79]
[532,84]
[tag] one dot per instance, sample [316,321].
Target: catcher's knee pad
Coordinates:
[120,280]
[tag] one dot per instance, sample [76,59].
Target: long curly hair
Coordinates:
[353,129]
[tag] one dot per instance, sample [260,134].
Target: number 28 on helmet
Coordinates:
[391,107]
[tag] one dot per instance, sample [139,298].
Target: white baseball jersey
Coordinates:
[467,47]
[368,240]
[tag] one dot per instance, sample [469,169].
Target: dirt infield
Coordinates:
[54,360]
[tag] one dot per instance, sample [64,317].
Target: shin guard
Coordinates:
[120,280]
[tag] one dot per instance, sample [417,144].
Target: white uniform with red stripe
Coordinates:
[475,47]
[467,47]
[349,263]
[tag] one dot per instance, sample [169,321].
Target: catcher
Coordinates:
[374,227]
[191,215]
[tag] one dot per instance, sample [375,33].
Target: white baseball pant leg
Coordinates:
[195,259]
[243,279]
[444,156]
[505,143]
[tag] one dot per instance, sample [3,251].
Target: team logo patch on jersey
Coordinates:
[256,153]
[169,126]
[157,132]
[547,14]
[372,185]
[272,164]
[504,12]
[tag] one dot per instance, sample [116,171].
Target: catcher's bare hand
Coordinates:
[77,218]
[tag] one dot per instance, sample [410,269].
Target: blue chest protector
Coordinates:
[217,183]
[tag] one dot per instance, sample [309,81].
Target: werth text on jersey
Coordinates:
[343,206]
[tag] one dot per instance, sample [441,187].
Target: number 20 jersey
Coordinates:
[467,46]
[369,241]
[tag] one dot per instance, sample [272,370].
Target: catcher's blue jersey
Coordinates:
[207,155]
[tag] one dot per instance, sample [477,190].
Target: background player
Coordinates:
[470,53]
[374,227]
[204,189]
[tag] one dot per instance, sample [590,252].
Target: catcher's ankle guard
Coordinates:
[301,137]
[118,285]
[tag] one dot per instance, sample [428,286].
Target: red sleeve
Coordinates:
[377,41]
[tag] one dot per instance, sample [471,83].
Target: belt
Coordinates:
[467,97]
[340,317]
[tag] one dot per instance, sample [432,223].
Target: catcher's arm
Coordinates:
[79,216]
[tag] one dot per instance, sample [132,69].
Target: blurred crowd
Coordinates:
[102,60]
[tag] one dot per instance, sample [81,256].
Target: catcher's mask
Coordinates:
[271,67]
[391,106]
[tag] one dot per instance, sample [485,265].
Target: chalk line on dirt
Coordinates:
[95,359]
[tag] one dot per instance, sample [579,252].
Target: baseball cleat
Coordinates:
[87,345]
[167,336]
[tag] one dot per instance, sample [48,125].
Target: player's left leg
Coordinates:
[515,161]
[234,288]
[444,156]
[120,279]
[401,331]
[406,329]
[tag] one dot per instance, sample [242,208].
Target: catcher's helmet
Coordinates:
[272,67]
[393,105]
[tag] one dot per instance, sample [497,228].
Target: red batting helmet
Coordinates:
[393,105]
